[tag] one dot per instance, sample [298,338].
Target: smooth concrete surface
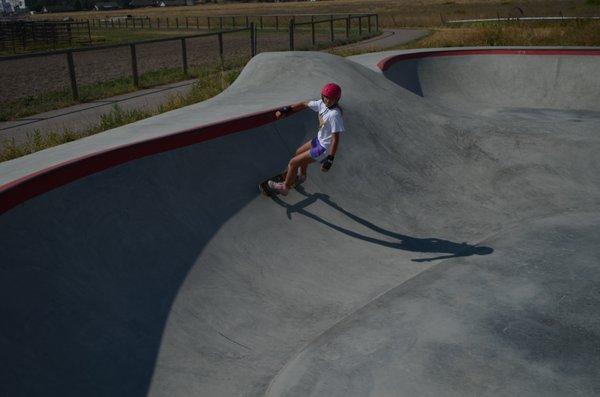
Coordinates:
[449,251]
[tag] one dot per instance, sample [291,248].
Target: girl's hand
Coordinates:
[327,163]
[284,111]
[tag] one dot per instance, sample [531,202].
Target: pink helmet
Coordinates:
[332,91]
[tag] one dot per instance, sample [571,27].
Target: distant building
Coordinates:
[141,3]
[58,8]
[107,6]
[10,6]
[172,3]
[6,7]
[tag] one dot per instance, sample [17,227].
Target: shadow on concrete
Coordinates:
[405,243]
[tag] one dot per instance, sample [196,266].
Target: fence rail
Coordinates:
[133,46]
[19,35]
[336,24]
[220,22]
[331,20]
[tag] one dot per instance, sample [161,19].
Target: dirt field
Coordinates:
[393,13]
[51,73]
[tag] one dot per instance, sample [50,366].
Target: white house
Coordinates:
[12,5]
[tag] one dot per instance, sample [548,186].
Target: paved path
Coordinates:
[85,115]
[389,39]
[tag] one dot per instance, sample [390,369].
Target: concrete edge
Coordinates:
[22,189]
[385,63]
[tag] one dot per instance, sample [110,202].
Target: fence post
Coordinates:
[377,22]
[331,28]
[133,20]
[187,23]
[252,40]
[198,23]
[134,68]
[360,26]
[312,30]
[348,27]
[89,32]
[233,22]
[72,75]
[177,22]
[220,23]
[261,22]
[221,46]
[168,23]
[291,29]
[276,22]
[184,56]
[158,23]
[255,40]
[369,19]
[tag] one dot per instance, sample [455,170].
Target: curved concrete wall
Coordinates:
[488,79]
[157,269]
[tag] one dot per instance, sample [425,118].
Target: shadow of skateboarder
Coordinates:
[404,242]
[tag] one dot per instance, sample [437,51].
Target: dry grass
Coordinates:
[393,13]
[573,33]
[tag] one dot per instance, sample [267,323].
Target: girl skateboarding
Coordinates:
[321,148]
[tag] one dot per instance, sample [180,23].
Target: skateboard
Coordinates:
[267,191]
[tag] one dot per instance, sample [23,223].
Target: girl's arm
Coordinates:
[334,143]
[289,109]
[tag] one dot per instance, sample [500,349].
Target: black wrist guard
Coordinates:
[286,110]
[328,162]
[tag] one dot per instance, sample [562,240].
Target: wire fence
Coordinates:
[272,21]
[25,35]
[81,68]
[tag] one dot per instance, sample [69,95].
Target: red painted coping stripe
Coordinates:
[22,189]
[386,63]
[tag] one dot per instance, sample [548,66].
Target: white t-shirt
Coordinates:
[330,121]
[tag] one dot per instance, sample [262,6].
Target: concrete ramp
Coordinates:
[504,83]
[446,253]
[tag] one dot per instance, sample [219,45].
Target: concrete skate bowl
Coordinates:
[533,84]
[443,254]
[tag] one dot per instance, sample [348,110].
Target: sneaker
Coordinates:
[279,187]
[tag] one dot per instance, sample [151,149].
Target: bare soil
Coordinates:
[31,76]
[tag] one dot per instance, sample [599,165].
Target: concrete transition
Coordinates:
[452,250]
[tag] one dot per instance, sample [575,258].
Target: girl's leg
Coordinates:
[301,161]
[303,148]
[307,146]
